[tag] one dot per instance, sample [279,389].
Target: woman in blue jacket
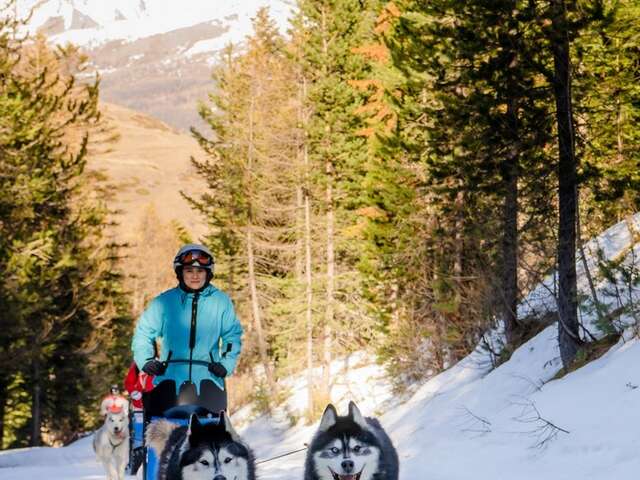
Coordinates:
[194,321]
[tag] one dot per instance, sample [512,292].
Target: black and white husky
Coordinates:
[207,451]
[350,448]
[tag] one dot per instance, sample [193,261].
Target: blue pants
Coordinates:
[137,431]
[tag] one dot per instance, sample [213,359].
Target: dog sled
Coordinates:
[175,404]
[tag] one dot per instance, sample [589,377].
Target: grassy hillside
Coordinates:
[143,168]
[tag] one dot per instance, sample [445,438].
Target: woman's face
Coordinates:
[194,277]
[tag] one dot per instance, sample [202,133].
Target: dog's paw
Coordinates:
[158,434]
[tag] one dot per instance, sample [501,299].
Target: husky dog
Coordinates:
[111,444]
[208,451]
[350,448]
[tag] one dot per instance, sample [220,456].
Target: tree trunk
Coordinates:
[568,333]
[439,345]
[299,262]
[255,301]
[4,385]
[309,295]
[257,316]
[510,233]
[36,407]
[329,309]
[231,287]
[306,202]
[330,281]
[620,143]
[458,261]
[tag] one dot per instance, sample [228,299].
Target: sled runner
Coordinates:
[167,402]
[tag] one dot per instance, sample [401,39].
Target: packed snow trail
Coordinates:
[76,461]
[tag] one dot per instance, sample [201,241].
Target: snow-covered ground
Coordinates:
[469,422]
[462,424]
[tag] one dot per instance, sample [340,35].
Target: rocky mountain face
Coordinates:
[152,74]
[154,56]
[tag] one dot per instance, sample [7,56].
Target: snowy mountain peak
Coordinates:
[94,22]
[154,56]
[78,14]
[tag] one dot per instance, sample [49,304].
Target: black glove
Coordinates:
[218,369]
[154,367]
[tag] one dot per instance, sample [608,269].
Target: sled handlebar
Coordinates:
[194,362]
[191,362]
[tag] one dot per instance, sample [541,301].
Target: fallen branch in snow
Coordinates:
[537,386]
[474,423]
[544,431]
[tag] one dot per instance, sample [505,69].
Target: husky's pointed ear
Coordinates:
[225,422]
[194,426]
[356,416]
[329,418]
[158,434]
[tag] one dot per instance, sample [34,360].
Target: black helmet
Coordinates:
[193,254]
[114,388]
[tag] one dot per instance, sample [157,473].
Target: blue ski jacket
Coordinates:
[214,332]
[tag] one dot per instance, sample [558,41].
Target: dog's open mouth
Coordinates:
[350,476]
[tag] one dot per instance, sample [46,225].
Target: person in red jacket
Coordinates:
[136,383]
[114,402]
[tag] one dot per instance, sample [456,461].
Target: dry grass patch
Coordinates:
[589,352]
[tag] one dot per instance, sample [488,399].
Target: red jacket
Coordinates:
[113,403]
[136,383]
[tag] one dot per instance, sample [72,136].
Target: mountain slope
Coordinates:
[147,167]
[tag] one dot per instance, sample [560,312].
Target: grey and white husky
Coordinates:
[111,444]
[201,451]
[350,448]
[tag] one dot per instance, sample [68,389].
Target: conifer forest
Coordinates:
[389,177]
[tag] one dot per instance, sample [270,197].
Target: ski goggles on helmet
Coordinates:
[195,257]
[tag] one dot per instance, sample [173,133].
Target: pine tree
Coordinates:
[58,280]
[332,30]
[568,332]
[472,113]
[251,171]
